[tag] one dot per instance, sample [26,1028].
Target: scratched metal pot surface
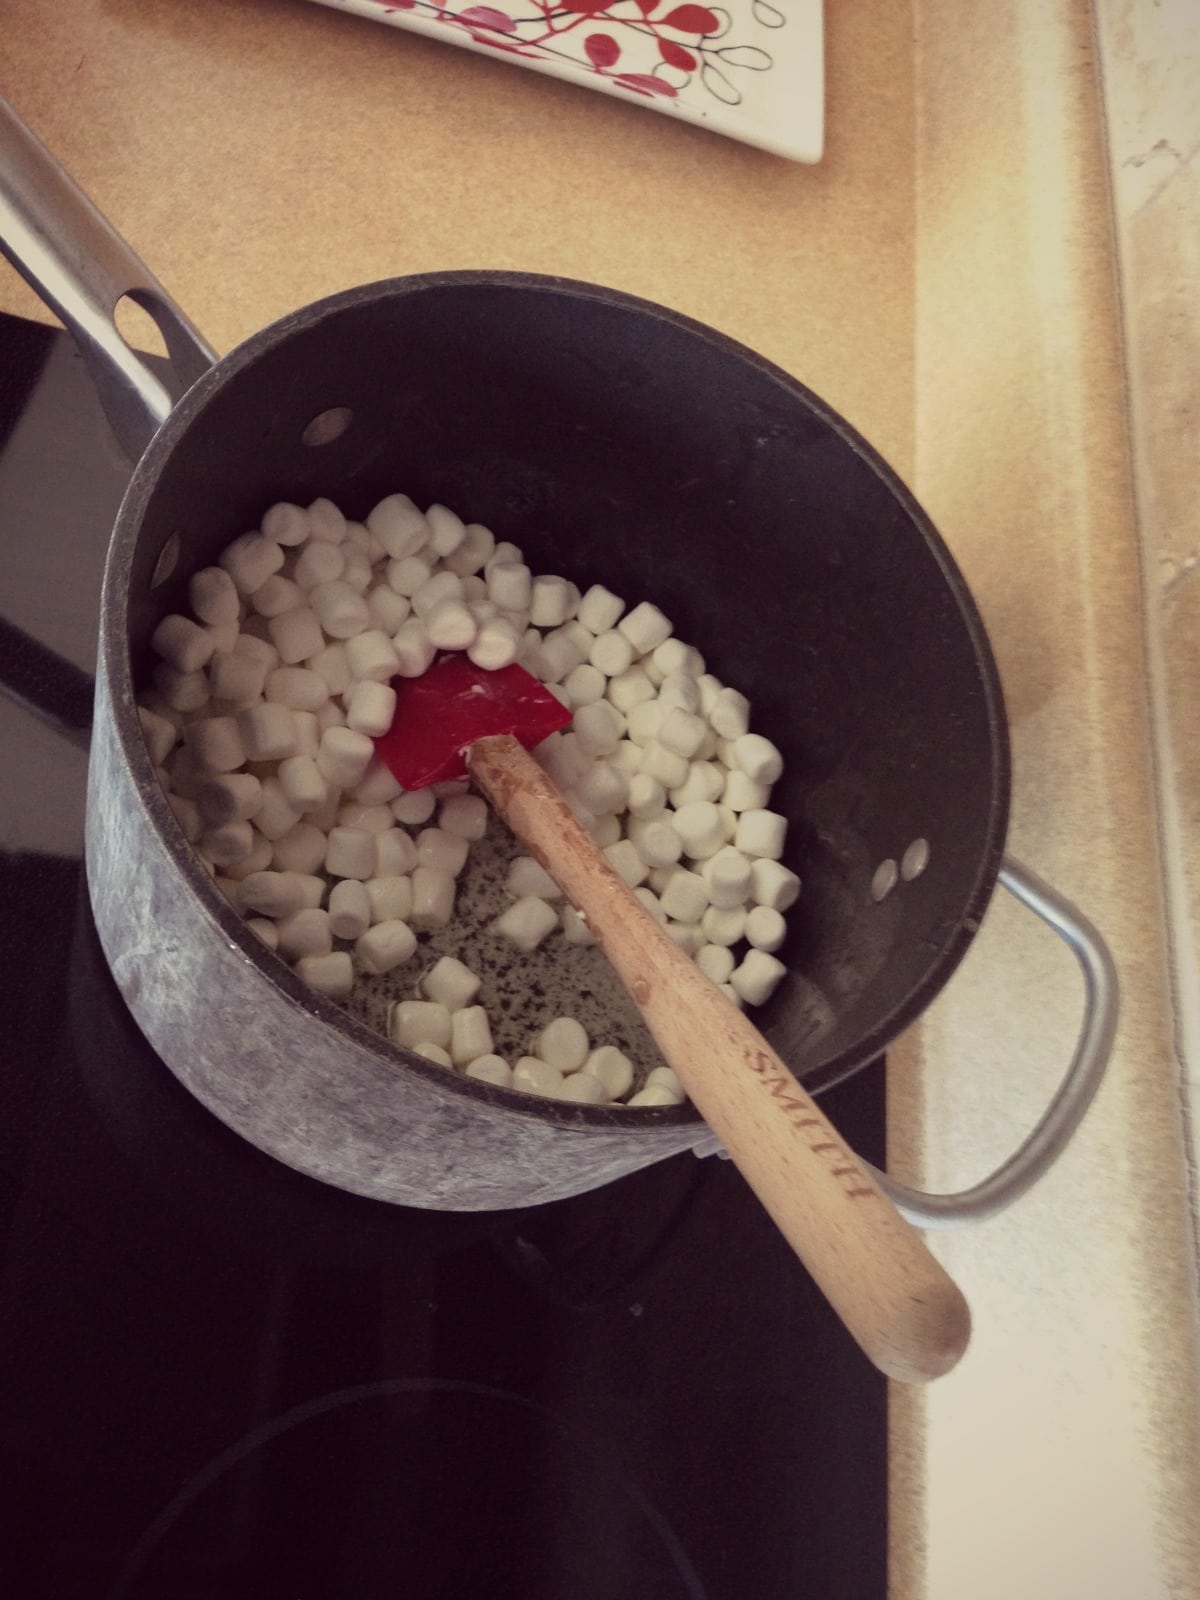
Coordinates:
[618,443]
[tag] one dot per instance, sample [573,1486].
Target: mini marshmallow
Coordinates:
[215,744]
[774,885]
[628,757]
[250,561]
[414,806]
[371,819]
[395,852]
[332,664]
[563,1043]
[581,1089]
[441,586]
[623,857]
[275,815]
[213,596]
[652,1096]
[757,978]
[605,830]
[452,984]
[260,858]
[757,758]
[370,708]
[645,627]
[600,609]
[385,945]
[470,1035]
[433,897]
[318,563]
[279,894]
[340,609]
[560,654]
[603,788]
[526,922]
[297,688]
[728,874]
[433,1052]
[344,756]
[681,731]
[378,785]
[465,815]
[584,685]
[742,793]
[685,897]
[304,933]
[699,826]
[231,797]
[705,781]
[276,596]
[535,1076]
[765,929]
[474,552]
[330,715]
[399,527]
[641,724]
[510,585]
[447,851]
[413,648]
[357,572]
[182,691]
[598,728]
[673,656]
[657,842]
[158,733]
[414,1022]
[300,849]
[407,576]
[611,1068]
[724,926]
[351,853]
[670,769]
[491,1069]
[236,677]
[385,609]
[664,1078]
[372,654]
[227,844]
[390,897]
[264,929]
[611,654]
[495,644]
[182,643]
[551,601]
[257,647]
[286,524]
[296,635]
[325,521]
[716,962]
[331,975]
[446,530]
[630,688]
[761,833]
[528,877]
[647,797]
[730,715]
[678,692]
[302,783]
[451,626]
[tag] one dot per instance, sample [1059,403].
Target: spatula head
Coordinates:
[440,715]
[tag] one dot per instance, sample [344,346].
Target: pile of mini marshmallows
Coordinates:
[261,720]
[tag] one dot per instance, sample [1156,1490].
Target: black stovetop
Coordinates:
[219,1378]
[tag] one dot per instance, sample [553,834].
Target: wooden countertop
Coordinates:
[944,278]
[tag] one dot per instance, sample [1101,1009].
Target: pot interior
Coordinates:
[618,443]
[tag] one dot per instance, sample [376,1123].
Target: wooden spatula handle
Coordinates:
[875,1270]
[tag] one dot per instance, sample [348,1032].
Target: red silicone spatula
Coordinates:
[875,1270]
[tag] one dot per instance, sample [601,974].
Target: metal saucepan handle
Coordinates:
[1038,1153]
[81,268]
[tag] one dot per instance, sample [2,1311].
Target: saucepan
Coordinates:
[616,442]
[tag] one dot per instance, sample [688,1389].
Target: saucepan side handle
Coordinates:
[1042,1148]
[81,267]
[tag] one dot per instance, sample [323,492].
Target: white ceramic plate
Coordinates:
[750,69]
